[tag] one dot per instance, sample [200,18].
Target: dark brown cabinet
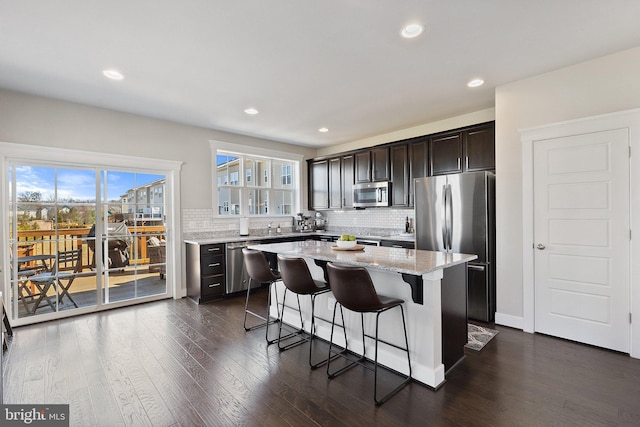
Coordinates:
[418,162]
[480,149]
[335,184]
[205,271]
[372,165]
[467,150]
[400,181]
[445,153]
[319,184]
[347,181]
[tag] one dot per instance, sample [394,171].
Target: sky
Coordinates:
[77,184]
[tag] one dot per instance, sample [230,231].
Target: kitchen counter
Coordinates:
[435,309]
[397,260]
[205,240]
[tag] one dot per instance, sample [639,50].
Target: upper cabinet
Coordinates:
[467,149]
[335,184]
[480,148]
[347,180]
[372,165]
[470,149]
[445,152]
[319,184]
[418,162]
[400,181]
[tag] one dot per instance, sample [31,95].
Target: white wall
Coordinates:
[599,86]
[27,119]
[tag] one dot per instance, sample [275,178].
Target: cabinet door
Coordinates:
[319,185]
[380,164]
[479,148]
[446,154]
[335,184]
[400,175]
[363,166]
[419,163]
[347,181]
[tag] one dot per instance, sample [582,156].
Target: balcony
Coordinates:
[144,276]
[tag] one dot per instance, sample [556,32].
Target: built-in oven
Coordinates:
[371,194]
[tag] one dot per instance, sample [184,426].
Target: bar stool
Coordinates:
[297,279]
[259,271]
[353,289]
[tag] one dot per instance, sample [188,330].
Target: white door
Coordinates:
[582,238]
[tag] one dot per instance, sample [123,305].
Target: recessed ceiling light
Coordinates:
[323,130]
[411,31]
[475,83]
[251,111]
[113,74]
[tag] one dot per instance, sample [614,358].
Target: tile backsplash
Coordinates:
[373,221]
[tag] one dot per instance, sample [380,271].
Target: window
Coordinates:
[258,194]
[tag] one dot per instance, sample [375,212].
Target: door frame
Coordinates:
[171,168]
[629,120]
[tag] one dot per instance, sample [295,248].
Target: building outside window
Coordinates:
[258,195]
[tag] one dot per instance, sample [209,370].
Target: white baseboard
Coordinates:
[516,322]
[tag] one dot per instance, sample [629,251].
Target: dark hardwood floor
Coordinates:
[175,363]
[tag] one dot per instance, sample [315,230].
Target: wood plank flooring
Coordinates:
[174,363]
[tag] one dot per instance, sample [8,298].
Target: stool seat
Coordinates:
[353,289]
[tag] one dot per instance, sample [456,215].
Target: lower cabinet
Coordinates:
[205,271]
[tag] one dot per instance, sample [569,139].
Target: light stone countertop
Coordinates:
[397,260]
[207,239]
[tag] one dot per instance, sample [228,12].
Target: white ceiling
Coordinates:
[302,64]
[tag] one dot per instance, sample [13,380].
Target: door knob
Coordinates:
[541,247]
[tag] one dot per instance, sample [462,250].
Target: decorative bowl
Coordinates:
[346,243]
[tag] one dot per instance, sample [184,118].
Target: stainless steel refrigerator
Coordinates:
[456,213]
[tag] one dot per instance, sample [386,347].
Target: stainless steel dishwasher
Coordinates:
[237,277]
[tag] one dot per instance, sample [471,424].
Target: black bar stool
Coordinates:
[297,279]
[259,271]
[353,289]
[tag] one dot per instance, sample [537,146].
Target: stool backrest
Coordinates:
[257,266]
[352,287]
[296,275]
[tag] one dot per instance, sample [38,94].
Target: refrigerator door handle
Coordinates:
[450,208]
[444,218]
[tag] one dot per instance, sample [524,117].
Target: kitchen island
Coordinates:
[435,309]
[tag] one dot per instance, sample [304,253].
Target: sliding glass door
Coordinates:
[82,238]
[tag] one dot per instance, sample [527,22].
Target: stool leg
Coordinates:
[346,349]
[406,381]
[280,317]
[247,311]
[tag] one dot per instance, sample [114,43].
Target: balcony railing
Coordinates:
[51,241]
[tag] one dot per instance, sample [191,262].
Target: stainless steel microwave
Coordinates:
[371,194]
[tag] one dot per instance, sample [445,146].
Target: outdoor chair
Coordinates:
[57,278]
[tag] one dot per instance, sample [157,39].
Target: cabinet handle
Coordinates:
[467,162]
[476,267]
[396,246]
[213,249]
[213,285]
[214,265]
[458,162]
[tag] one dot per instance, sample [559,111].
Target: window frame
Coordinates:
[257,153]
